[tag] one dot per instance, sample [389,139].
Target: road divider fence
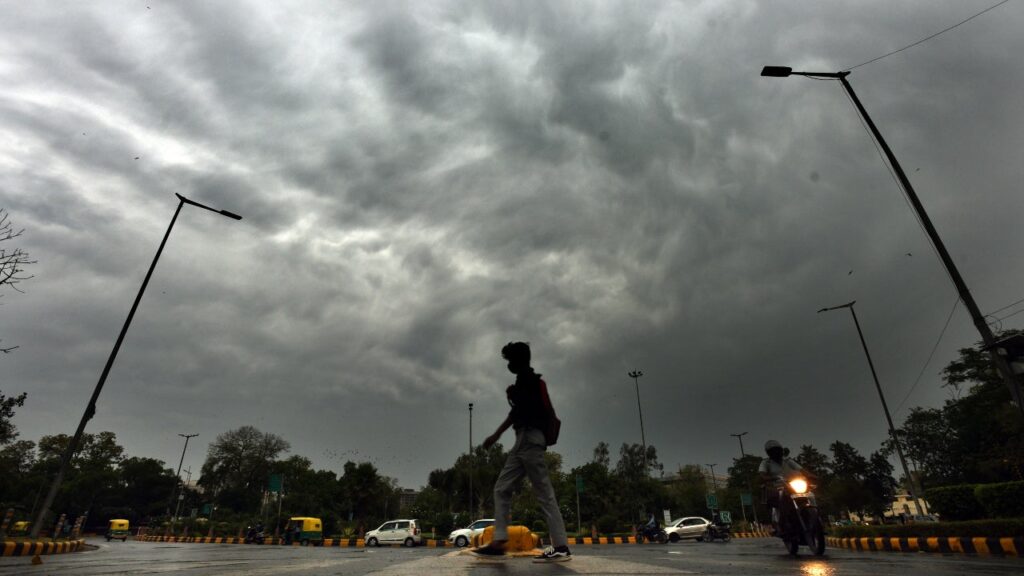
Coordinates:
[1008,546]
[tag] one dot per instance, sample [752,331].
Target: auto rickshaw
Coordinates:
[19,528]
[305,531]
[118,529]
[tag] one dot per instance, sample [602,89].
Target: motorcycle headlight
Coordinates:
[799,485]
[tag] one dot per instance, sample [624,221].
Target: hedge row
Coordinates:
[1001,528]
[973,501]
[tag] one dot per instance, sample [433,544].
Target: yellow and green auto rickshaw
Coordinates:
[305,531]
[118,529]
[20,528]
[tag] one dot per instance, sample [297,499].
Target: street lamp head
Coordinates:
[829,309]
[231,215]
[776,71]
[636,373]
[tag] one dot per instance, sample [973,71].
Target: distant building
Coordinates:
[407,498]
[904,504]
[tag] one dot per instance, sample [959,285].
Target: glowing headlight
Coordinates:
[799,485]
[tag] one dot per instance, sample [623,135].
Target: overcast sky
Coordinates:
[422,182]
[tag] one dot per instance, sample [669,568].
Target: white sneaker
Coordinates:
[550,554]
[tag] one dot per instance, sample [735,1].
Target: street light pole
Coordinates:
[90,408]
[714,481]
[881,396]
[471,461]
[177,483]
[1001,364]
[635,375]
[740,438]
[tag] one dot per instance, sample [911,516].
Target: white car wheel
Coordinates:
[462,542]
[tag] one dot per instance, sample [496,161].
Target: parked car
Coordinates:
[690,527]
[405,531]
[463,536]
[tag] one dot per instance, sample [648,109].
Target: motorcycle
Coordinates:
[799,523]
[254,535]
[717,531]
[651,534]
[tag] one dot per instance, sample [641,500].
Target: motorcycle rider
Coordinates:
[775,471]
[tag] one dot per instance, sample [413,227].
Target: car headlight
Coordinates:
[799,485]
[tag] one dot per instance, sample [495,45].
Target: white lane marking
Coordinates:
[446,565]
[319,564]
[605,565]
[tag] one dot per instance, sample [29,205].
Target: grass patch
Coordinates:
[1003,527]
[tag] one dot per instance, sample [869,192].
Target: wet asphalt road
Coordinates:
[740,557]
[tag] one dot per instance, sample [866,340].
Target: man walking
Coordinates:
[535,424]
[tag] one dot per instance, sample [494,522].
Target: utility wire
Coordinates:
[930,355]
[1007,316]
[992,313]
[923,40]
[892,174]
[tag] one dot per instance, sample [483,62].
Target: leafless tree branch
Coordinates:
[12,261]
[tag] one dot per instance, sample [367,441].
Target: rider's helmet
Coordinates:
[773,448]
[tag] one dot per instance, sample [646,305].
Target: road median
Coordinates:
[34,547]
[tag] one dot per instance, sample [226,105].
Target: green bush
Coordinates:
[607,524]
[1003,500]
[974,528]
[955,502]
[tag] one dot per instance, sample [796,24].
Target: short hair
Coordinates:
[516,351]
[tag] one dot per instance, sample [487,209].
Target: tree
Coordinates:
[365,496]
[238,465]
[12,261]
[846,489]
[815,462]
[688,492]
[977,436]
[879,484]
[144,484]
[8,432]
[91,480]
[307,492]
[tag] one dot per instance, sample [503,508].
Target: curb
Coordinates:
[328,542]
[11,548]
[1013,546]
[753,534]
[360,543]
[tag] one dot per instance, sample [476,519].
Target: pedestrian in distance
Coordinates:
[536,426]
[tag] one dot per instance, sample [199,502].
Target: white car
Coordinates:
[463,536]
[407,532]
[686,528]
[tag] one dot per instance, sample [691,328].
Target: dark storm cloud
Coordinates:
[423,182]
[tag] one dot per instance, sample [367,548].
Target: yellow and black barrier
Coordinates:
[31,548]
[752,534]
[1008,546]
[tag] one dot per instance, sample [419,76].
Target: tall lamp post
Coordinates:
[635,375]
[471,461]
[177,484]
[90,408]
[885,407]
[1001,364]
[740,438]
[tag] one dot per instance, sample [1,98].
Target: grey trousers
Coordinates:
[527,459]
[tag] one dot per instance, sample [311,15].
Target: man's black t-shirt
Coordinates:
[527,402]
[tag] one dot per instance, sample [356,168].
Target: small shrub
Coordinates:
[1003,500]
[955,502]
[607,524]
